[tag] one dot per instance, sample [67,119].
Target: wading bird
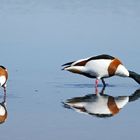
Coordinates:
[3,77]
[100,67]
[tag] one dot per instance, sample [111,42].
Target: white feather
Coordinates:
[122,71]
[121,101]
[98,68]
[2,80]
[98,106]
[2,111]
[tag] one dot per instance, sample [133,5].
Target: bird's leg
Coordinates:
[96,86]
[4,98]
[96,83]
[96,90]
[103,89]
[4,87]
[104,84]
[4,90]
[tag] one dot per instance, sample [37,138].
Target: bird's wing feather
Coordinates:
[103,56]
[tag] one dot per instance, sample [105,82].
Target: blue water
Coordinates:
[37,37]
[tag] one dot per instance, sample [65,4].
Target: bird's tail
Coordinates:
[135,76]
[66,65]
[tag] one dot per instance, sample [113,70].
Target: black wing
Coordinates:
[103,56]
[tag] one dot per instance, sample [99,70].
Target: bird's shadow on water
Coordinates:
[100,105]
[76,85]
[3,109]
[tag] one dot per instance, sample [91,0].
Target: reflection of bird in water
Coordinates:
[3,77]
[100,105]
[3,110]
[100,67]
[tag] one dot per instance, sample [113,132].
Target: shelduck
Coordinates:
[3,77]
[100,67]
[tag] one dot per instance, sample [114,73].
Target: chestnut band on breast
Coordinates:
[3,72]
[112,106]
[113,66]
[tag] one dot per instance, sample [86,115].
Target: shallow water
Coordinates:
[37,37]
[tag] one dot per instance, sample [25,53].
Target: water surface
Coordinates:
[36,37]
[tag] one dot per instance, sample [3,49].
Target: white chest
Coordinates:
[2,80]
[2,111]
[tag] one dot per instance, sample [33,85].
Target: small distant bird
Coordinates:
[100,67]
[3,77]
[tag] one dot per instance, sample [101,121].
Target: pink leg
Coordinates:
[96,86]
[96,90]
[96,83]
